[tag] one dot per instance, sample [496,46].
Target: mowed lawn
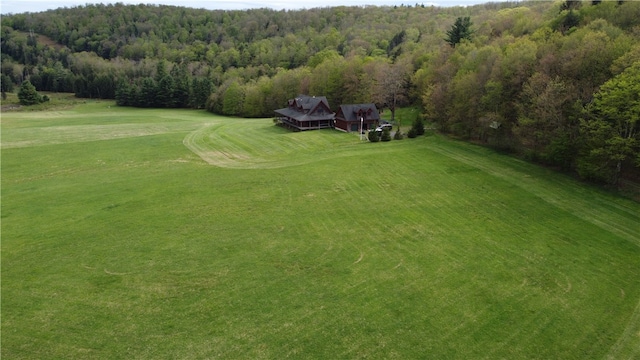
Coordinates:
[176,234]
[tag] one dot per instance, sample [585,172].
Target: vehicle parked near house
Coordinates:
[382,127]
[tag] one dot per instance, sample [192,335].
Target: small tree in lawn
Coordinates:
[391,85]
[28,94]
[398,135]
[418,126]
[373,136]
[386,135]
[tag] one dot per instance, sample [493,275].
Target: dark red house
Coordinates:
[306,113]
[352,117]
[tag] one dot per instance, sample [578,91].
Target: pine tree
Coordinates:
[460,30]
[200,90]
[164,93]
[181,85]
[147,93]
[6,85]
[124,96]
[28,94]
[386,135]
[418,126]
[570,20]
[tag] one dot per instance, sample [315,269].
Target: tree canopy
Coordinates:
[611,127]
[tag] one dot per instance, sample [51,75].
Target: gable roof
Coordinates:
[308,103]
[352,112]
[301,116]
[308,108]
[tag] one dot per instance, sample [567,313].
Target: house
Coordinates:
[353,117]
[306,113]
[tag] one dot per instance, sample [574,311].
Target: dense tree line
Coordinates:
[94,49]
[172,88]
[534,78]
[536,84]
[259,37]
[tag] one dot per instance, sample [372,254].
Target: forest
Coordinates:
[555,82]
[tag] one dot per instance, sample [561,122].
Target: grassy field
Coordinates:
[140,234]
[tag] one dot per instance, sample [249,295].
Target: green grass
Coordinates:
[131,233]
[404,116]
[57,101]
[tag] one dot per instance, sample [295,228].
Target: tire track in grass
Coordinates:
[617,216]
[55,135]
[226,145]
[198,142]
[606,216]
[439,202]
[241,144]
[258,144]
[401,247]
[628,344]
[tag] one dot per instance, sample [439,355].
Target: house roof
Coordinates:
[300,116]
[307,103]
[352,112]
[303,108]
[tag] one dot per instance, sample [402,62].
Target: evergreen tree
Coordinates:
[570,20]
[28,94]
[181,86]
[418,126]
[386,135]
[572,4]
[163,88]
[6,85]
[147,94]
[373,136]
[460,30]
[200,90]
[103,86]
[398,135]
[164,93]
[80,87]
[124,93]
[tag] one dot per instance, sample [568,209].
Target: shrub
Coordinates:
[412,133]
[386,135]
[373,136]
[398,135]
[418,126]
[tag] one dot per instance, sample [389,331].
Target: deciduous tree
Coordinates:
[391,85]
[543,126]
[611,126]
[233,100]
